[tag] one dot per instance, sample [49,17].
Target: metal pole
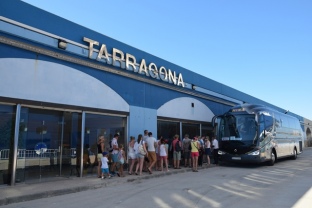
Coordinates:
[15,145]
[61,152]
[83,124]
[181,136]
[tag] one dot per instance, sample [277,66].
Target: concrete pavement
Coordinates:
[59,186]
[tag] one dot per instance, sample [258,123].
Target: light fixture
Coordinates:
[62,44]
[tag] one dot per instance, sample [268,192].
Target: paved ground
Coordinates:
[25,192]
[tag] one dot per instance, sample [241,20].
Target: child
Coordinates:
[121,160]
[163,152]
[104,166]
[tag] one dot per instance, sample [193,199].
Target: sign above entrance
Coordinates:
[129,62]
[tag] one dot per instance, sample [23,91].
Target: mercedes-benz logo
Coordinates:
[235,150]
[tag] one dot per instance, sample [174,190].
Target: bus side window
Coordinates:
[268,123]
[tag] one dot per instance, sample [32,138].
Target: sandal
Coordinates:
[130,173]
[150,172]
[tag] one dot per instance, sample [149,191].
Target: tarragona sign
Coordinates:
[151,70]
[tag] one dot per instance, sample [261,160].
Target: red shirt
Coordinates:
[174,143]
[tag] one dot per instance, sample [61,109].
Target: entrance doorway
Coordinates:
[47,144]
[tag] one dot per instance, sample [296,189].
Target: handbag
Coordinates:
[141,149]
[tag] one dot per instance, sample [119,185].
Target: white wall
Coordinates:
[55,83]
[181,108]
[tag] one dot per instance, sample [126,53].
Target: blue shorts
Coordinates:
[105,170]
[115,158]
[207,151]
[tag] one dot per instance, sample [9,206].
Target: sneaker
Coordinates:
[109,177]
[102,177]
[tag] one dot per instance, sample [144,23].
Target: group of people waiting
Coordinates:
[194,151]
[147,154]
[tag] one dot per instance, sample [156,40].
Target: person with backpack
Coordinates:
[186,151]
[177,148]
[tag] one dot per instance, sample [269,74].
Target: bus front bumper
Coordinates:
[243,158]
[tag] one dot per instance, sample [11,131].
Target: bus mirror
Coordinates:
[213,120]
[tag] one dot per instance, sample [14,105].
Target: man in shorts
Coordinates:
[151,145]
[186,151]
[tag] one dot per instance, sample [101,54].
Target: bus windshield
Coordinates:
[239,128]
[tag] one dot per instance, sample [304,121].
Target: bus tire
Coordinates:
[294,154]
[272,160]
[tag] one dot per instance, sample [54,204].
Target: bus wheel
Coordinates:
[273,158]
[294,154]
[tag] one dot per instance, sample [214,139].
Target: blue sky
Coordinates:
[262,48]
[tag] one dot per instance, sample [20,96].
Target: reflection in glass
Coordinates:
[7,120]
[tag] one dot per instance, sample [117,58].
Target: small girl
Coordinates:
[104,167]
[121,160]
[163,153]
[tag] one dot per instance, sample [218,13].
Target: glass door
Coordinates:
[7,120]
[48,145]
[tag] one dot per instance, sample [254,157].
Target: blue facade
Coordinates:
[35,72]
[134,92]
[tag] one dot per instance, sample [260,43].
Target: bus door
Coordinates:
[215,121]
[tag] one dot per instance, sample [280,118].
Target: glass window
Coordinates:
[107,126]
[7,122]
[238,128]
[168,129]
[207,130]
[191,129]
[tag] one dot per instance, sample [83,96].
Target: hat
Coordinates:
[104,153]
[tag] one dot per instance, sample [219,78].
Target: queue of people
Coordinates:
[148,154]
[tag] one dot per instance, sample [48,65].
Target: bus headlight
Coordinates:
[221,152]
[257,152]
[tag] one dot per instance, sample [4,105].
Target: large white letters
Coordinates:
[129,63]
